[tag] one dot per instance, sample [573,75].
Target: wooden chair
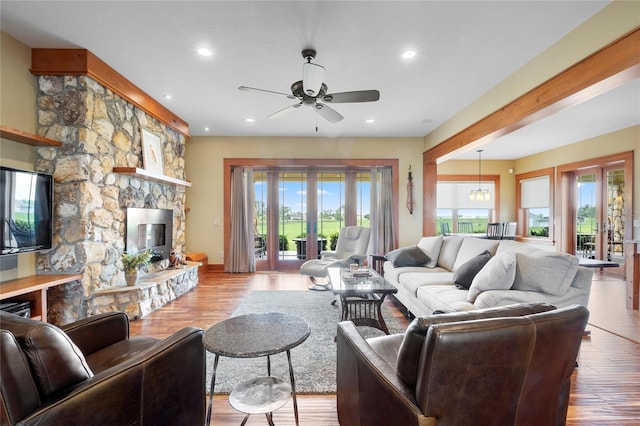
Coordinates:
[494,231]
[465,228]
[509,230]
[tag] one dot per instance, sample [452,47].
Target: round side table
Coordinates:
[244,337]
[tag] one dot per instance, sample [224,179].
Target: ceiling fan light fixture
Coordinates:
[312,75]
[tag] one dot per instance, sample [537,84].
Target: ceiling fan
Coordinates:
[311,91]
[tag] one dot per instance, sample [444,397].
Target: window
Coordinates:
[535,202]
[455,207]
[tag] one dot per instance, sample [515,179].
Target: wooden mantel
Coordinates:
[83,62]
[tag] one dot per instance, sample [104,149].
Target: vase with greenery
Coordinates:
[132,262]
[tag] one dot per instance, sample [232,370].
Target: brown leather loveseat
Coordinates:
[510,365]
[92,373]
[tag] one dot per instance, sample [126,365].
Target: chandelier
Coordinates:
[479,194]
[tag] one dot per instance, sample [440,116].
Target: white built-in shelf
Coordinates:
[26,138]
[145,174]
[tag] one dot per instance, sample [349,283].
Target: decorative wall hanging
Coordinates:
[410,202]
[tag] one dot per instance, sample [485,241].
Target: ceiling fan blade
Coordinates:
[253,89]
[312,75]
[285,111]
[357,96]
[328,113]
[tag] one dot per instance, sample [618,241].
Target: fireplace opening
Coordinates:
[150,229]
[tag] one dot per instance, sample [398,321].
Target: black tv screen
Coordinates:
[26,199]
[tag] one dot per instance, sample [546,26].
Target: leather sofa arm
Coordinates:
[361,376]
[98,331]
[162,385]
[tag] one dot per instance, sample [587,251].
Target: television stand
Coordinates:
[34,289]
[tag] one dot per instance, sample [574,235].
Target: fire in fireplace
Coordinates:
[150,229]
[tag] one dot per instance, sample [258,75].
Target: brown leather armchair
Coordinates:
[92,373]
[501,366]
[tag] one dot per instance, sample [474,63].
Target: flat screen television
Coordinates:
[26,209]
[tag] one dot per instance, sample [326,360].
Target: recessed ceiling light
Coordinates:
[369,121]
[206,129]
[409,54]
[167,96]
[249,120]
[203,51]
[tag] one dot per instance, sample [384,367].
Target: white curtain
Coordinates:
[382,224]
[241,256]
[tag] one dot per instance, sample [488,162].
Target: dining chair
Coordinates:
[465,228]
[494,231]
[509,230]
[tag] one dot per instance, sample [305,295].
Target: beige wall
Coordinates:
[204,161]
[17,110]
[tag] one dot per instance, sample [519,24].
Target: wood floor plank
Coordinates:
[605,386]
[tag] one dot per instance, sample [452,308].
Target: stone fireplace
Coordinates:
[100,130]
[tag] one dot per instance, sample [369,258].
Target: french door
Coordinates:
[300,211]
[600,212]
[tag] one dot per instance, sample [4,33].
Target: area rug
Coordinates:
[314,361]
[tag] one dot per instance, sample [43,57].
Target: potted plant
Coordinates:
[132,262]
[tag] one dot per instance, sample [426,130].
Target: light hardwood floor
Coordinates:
[605,388]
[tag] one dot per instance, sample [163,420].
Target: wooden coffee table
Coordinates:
[361,297]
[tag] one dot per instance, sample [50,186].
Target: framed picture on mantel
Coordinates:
[152,152]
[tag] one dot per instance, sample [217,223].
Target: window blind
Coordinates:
[534,192]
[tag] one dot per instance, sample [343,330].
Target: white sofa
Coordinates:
[514,273]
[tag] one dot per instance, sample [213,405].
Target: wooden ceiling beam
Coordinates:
[604,70]
[83,62]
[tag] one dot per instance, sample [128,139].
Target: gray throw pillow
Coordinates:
[464,275]
[407,256]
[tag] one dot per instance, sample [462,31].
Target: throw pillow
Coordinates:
[407,256]
[431,247]
[497,274]
[464,275]
[546,272]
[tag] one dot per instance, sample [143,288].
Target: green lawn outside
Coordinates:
[294,228]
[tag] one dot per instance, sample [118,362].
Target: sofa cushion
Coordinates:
[516,247]
[449,251]
[497,274]
[471,247]
[546,272]
[463,276]
[56,362]
[431,247]
[443,298]
[412,281]
[407,256]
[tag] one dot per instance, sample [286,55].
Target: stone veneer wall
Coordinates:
[99,130]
